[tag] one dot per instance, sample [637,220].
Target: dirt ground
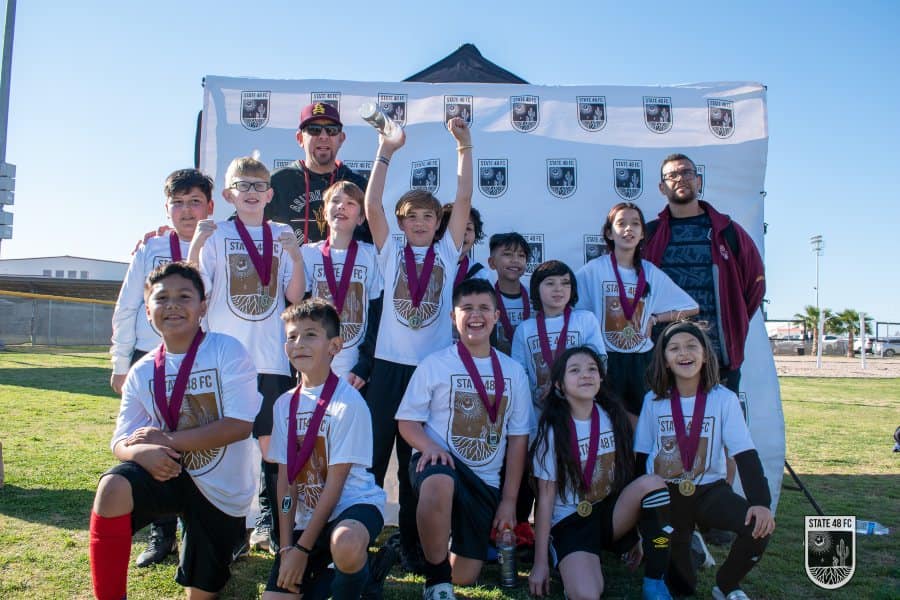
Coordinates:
[833,366]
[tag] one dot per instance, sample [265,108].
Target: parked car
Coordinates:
[887,347]
[857,343]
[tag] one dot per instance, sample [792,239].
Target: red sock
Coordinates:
[110,543]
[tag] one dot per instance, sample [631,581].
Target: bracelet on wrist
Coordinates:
[464,147]
[383,159]
[302,548]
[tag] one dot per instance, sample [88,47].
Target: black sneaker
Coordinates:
[242,548]
[380,564]
[159,547]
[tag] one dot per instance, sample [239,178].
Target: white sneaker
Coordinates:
[698,546]
[440,591]
[737,594]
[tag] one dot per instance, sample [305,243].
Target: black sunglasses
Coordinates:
[316,130]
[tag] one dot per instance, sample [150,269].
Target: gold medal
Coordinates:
[415,321]
[584,508]
[686,487]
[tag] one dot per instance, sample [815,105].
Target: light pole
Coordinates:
[818,245]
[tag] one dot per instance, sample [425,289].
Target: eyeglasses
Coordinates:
[244,186]
[685,174]
[316,130]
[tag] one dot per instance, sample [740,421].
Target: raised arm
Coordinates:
[378,223]
[462,205]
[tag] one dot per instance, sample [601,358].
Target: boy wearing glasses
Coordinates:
[299,187]
[249,266]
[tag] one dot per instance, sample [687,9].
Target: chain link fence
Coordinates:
[39,320]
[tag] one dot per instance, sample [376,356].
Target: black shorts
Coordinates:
[209,536]
[271,386]
[320,557]
[592,533]
[627,374]
[474,506]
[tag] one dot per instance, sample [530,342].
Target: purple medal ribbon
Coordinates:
[175,247]
[472,370]
[504,317]
[170,409]
[544,339]
[339,291]
[688,442]
[462,269]
[262,264]
[298,455]
[417,283]
[628,306]
[587,474]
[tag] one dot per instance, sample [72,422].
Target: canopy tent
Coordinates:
[465,64]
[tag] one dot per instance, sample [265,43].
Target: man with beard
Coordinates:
[299,186]
[713,259]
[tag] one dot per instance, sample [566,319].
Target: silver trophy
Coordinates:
[383,124]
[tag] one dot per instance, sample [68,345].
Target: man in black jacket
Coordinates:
[299,186]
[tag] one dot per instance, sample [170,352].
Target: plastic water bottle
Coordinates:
[506,547]
[374,116]
[871,528]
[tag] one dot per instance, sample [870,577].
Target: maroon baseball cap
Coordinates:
[319,110]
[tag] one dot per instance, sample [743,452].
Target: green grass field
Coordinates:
[57,414]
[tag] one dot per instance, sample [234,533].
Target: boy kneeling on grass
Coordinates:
[330,508]
[466,408]
[183,438]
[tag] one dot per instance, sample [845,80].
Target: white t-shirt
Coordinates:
[238,304]
[515,310]
[442,396]
[132,330]
[723,427]
[584,330]
[344,436]
[603,477]
[222,384]
[397,341]
[598,291]
[365,285]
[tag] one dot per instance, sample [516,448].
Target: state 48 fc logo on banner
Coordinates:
[830,546]
[255,109]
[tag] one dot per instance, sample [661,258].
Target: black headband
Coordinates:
[682,327]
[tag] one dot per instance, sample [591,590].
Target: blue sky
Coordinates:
[105,98]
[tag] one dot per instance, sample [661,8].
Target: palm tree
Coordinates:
[809,321]
[848,322]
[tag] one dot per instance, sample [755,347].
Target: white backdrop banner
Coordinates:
[549,163]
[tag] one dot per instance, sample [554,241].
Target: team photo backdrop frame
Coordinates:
[549,163]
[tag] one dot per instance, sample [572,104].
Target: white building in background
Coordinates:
[64,267]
